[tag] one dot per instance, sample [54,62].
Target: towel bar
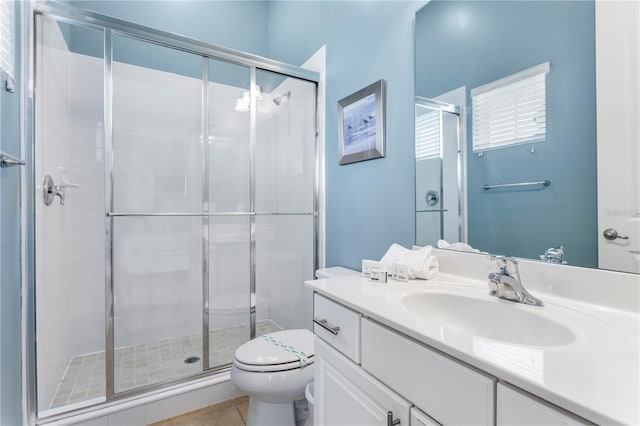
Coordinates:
[7,160]
[544,183]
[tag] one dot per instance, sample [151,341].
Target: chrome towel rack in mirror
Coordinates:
[544,183]
[7,160]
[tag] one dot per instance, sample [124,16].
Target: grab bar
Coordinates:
[7,160]
[544,183]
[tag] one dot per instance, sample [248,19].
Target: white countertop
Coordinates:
[597,376]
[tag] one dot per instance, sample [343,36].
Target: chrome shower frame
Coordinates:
[447,108]
[112,26]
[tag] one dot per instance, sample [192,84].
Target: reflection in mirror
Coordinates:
[525,73]
[437,147]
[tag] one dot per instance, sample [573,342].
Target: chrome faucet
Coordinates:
[506,284]
[554,255]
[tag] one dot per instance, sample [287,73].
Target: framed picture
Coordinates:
[361,124]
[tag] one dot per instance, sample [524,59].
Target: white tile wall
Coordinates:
[285,149]
[228,150]
[70,238]
[285,258]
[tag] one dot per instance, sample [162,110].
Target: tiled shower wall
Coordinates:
[69,238]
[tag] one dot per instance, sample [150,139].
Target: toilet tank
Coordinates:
[334,271]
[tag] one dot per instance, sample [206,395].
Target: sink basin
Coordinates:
[489,318]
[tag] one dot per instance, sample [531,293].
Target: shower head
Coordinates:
[278,99]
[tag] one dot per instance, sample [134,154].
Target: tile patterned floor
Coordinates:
[228,413]
[151,362]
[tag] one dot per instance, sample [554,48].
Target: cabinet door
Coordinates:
[518,409]
[347,396]
[418,418]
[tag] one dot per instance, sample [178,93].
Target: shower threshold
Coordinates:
[151,362]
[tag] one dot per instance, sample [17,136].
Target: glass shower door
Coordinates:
[285,168]
[228,155]
[157,194]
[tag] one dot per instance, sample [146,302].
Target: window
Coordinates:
[511,110]
[6,36]
[427,133]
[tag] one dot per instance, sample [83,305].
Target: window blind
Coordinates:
[511,110]
[6,37]
[428,135]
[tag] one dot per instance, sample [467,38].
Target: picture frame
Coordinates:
[361,124]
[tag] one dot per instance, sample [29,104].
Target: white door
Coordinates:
[618,105]
[347,396]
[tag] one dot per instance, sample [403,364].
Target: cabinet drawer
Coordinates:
[337,325]
[446,390]
[517,408]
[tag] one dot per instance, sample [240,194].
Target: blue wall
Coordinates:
[469,43]
[10,274]
[240,25]
[369,204]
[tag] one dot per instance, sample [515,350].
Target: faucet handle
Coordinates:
[504,262]
[502,258]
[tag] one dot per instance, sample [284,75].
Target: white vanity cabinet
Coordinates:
[515,408]
[348,393]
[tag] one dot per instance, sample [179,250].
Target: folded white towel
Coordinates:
[422,264]
[457,246]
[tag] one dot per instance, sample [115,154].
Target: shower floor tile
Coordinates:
[151,362]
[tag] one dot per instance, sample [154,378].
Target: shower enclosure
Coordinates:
[175,205]
[439,183]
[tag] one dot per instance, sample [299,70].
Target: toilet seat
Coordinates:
[271,368]
[279,351]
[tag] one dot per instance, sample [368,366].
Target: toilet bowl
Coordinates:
[273,370]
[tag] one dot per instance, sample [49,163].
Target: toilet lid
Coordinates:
[280,350]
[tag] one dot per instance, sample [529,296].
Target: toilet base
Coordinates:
[267,414]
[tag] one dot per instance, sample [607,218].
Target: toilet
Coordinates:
[274,369]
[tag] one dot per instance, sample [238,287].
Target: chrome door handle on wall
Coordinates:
[50,190]
[325,324]
[432,198]
[390,421]
[612,234]
[7,160]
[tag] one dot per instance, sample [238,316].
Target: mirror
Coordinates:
[542,191]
